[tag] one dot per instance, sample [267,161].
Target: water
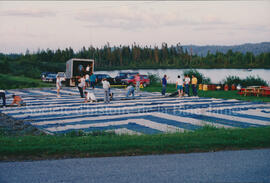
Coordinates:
[216,75]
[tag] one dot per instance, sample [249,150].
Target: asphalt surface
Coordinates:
[227,166]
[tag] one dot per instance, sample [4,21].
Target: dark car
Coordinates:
[124,75]
[50,78]
[43,75]
[144,80]
[99,78]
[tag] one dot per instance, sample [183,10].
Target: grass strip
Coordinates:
[63,146]
[17,82]
[210,94]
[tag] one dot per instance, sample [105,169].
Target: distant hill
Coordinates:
[255,48]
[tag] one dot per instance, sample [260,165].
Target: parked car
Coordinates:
[144,80]
[50,78]
[124,75]
[102,76]
[43,75]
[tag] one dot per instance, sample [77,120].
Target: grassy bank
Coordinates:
[212,94]
[16,82]
[206,139]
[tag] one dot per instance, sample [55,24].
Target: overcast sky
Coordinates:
[48,24]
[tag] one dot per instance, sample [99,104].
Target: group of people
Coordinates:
[16,99]
[182,85]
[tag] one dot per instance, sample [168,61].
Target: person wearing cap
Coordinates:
[106,86]
[58,85]
[3,96]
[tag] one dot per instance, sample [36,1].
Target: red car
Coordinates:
[144,80]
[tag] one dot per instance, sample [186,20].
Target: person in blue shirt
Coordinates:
[164,84]
[93,80]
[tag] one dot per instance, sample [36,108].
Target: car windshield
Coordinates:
[61,74]
[51,75]
[122,74]
[131,77]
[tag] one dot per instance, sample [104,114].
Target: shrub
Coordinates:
[154,78]
[248,81]
[201,78]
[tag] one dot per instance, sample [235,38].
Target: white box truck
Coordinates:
[76,68]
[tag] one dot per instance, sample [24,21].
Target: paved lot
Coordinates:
[148,113]
[218,167]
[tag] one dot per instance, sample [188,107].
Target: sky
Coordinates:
[37,25]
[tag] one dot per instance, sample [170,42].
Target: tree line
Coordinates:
[128,57]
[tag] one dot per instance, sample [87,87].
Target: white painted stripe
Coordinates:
[188,120]
[255,112]
[124,131]
[143,122]
[222,116]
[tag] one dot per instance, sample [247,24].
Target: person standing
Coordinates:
[3,96]
[81,86]
[87,80]
[106,87]
[87,69]
[187,82]
[93,80]
[164,85]
[179,86]
[58,85]
[137,80]
[194,82]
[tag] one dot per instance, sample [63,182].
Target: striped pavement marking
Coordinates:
[148,113]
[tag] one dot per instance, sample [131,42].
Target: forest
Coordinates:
[128,57]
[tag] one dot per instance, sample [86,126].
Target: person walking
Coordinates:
[106,86]
[179,86]
[187,82]
[58,85]
[194,82]
[137,80]
[81,86]
[3,96]
[93,80]
[164,85]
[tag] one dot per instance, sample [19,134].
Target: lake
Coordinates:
[216,75]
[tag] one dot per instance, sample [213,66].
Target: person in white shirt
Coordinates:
[106,87]
[89,97]
[58,85]
[3,96]
[187,82]
[179,86]
[87,80]
[81,86]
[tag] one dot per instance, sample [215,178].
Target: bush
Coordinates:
[154,78]
[248,81]
[201,78]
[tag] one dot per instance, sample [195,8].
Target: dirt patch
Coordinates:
[11,126]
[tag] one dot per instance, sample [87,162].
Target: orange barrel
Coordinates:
[233,87]
[200,86]
[226,87]
[205,87]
